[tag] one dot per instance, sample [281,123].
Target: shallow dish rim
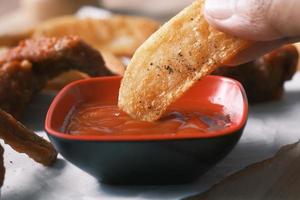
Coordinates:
[150,137]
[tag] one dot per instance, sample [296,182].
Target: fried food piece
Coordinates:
[51,54]
[26,141]
[25,69]
[263,79]
[181,52]
[2,168]
[120,35]
[298,48]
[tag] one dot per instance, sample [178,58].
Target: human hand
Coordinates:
[269,23]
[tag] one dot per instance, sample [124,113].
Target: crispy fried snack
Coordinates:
[64,79]
[181,52]
[26,141]
[120,35]
[272,70]
[25,70]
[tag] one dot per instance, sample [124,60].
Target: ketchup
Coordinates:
[96,118]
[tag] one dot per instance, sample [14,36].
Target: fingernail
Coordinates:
[219,9]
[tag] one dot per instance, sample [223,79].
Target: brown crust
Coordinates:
[2,168]
[181,52]
[26,141]
[120,35]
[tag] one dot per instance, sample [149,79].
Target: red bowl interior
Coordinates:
[210,90]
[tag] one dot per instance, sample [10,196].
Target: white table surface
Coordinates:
[269,127]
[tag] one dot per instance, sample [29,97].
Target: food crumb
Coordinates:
[170,70]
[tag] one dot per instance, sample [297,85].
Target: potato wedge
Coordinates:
[298,47]
[9,40]
[181,52]
[113,64]
[64,79]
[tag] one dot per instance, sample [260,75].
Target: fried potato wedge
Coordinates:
[298,47]
[113,63]
[181,52]
[120,35]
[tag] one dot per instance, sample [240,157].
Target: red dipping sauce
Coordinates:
[99,119]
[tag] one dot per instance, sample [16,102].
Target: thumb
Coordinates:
[259,20]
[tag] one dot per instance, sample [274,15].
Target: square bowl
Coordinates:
[147,158]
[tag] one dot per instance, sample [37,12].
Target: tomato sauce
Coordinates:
[96,118]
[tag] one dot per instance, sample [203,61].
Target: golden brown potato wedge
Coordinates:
[113,64]
[181,52]
[120,35]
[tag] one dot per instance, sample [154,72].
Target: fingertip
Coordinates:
[215,11]
[218,9]
[256,50]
